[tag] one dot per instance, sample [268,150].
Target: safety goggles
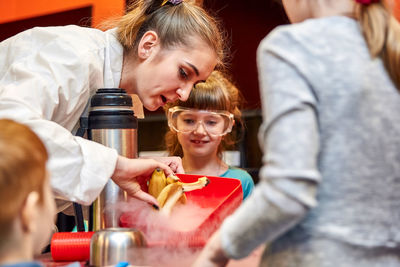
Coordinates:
[185,120]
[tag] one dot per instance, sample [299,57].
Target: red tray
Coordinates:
[207,208]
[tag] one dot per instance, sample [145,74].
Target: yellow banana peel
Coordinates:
[157,182]
[170,190]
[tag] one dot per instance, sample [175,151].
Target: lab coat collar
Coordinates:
[113,60]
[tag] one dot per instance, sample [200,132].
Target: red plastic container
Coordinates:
[67,246]
[216,201]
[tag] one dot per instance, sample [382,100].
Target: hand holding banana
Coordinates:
[130,173]
[170,190]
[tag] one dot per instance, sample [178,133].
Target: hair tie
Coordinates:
[367,2]
[174,2]
[155,5]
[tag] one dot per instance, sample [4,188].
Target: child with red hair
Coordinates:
[27,206]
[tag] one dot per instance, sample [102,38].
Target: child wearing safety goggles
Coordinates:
[201,129]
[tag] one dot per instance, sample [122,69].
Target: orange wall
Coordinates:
[23,9]
[102,9]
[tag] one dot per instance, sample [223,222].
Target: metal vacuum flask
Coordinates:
[112,123]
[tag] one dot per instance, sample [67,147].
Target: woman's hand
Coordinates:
[129,173]
[175,163]
[212,255]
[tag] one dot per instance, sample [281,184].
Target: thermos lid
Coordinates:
[111,97]
[111,108]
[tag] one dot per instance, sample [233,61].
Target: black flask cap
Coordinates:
[111,97]
[106,114]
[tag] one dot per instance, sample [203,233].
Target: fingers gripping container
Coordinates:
[217,201]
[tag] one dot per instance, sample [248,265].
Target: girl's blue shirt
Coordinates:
[243,176]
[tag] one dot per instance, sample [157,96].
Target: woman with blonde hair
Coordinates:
[329,186]
[158,50]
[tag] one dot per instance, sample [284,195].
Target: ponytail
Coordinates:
[175,24]
[129,24]
[382,34]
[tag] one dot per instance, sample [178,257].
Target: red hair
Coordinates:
[23,160]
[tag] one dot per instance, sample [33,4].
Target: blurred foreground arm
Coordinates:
[212,254]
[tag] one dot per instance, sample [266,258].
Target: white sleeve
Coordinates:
[46,85]
[79,168]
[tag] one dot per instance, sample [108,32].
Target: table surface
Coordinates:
[177,260]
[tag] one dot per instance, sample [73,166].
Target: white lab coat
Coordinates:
[47,76]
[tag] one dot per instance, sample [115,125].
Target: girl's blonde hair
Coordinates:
[217,93]
[174,24]
[22,170]
[382,34]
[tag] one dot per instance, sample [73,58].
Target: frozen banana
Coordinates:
[157,182]
[170,190]
[169,196]
[201,182]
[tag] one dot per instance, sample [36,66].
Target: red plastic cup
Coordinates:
[71,246]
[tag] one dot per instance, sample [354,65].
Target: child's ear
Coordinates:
[147,44]
[29,212]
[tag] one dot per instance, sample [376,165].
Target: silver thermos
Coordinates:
[111,122]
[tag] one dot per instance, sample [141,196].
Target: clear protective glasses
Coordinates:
[185,120]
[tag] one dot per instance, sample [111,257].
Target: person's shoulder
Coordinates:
[237,172]
[63,30]
[282,40]
[60,36]
[244,177]
[69,36]
[309,33]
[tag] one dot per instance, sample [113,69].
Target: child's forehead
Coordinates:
[201,113]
